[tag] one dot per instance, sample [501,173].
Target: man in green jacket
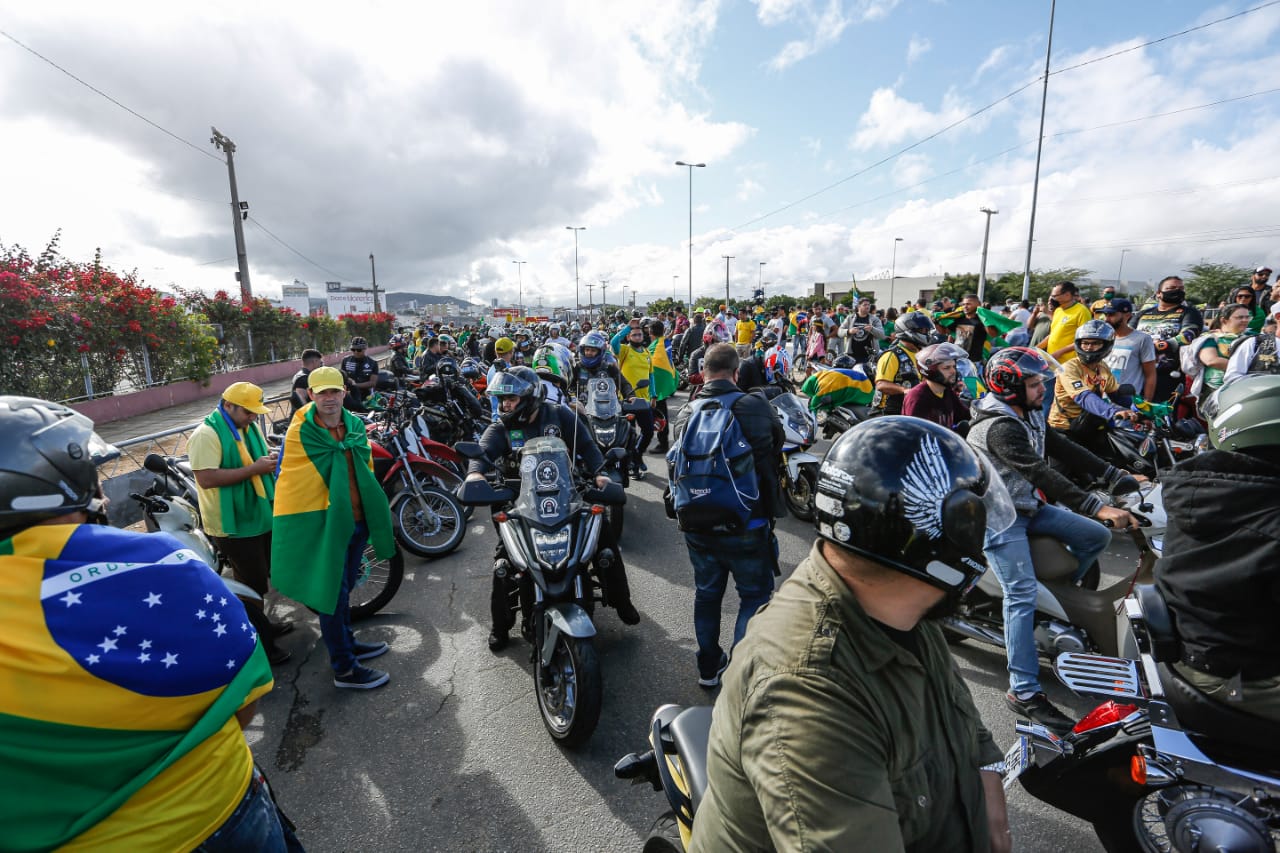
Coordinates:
[843,723]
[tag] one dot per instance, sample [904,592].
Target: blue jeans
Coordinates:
[335,630]
[1009,554]
[256,824]
[1049,385]
[751,558]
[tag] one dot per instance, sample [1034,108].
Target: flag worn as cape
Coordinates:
[1004,324]
[122,653]
[664,375]
[246,506]
[838,386]
[314,519]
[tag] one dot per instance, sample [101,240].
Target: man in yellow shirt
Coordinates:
[1070,314]
[746,330]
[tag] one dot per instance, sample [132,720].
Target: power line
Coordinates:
[315,264]
[93,88]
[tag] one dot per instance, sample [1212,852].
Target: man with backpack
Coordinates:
[724,493]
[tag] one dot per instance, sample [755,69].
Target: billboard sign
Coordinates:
[349,303]
[296,297]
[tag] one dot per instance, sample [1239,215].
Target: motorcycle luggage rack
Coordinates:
[1094,675]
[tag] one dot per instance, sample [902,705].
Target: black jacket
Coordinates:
[691,339]
[502,445]
[761,427]
[1221,571]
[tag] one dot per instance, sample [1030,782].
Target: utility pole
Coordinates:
[1035,186]
[373,271]
[591,297]
[520,279]
[727,258]
[982,270]
[577,300]
[604,295]
[238,213]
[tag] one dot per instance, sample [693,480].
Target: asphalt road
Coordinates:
[452,754]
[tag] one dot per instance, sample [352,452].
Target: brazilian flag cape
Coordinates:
[1004,325]
[246,506]
[120,654]
[664,375]
[837,386]
[314,519]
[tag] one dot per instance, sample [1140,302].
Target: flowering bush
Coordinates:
[374,327]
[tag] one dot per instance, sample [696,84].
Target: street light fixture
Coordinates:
[520,278]
[577,300]
[691,167]
[893,269]
[982,270]
[1123,252]
[760,276]
[727,258]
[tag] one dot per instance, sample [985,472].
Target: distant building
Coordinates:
[904,289]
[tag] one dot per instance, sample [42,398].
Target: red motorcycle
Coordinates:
[427,518]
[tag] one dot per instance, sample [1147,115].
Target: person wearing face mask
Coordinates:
[1108,294]
[1069,314]
[1172,323]
[1133,357]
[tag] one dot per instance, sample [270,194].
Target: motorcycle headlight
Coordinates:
[552,547]
[606,435]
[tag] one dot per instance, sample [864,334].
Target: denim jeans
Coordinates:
[751,558]
[1009,553]
[335,630]
[1049,385]
[256,825]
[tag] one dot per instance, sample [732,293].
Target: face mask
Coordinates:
[1108,296]
[1173,297]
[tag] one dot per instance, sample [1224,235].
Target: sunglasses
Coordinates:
[1245,297]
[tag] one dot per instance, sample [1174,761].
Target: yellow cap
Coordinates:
[503,345]
[324,378]
[246,395]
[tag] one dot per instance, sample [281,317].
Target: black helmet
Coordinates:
[931,356]
[845,362]
[911,495]
[521,382]
[447,367]
[1010,368]
[768,340]
[470,369]
[49,463]
[359,343]
[913,328]
[620,315]
[1095,330]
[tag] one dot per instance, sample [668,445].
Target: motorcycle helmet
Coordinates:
[470,369]
[932,356]
[447,367]
[768,340]
[546,363]
[397,342]
[595,341]
[448,343]
[358,343]
[520,382]
[620,316]
[1248,414]
[1095,330]
[1010,368]
[49,464]
[845,362]
[911,495]
[914,328]
[708,338]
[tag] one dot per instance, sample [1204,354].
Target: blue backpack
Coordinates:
[711,469]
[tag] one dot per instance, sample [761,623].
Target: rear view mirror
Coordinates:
[482,493]
[469,450]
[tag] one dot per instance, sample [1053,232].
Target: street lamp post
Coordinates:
[727,258]
[691,167]
[520,280]
[1035,184]
[760,277]
[604,295]
[674,279]
[1123,252]
[591,298]
[624,296]
[577,300]
[982,270]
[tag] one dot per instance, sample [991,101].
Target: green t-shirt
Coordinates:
[1222,344]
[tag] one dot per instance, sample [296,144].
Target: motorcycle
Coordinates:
[427,520]
[1070,616]
[170,505]
[676,764]
[799,469]
[1159,766]
[837,420]
[616,436]
[551,530]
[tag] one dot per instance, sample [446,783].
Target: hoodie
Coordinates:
[1221,571]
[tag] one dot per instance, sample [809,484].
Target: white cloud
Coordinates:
[911,169]
[890,118]
[918,47]
[992,61]
[824,25]
[773,12]
[747,189]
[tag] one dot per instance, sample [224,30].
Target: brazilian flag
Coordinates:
[838,386]
[664,375]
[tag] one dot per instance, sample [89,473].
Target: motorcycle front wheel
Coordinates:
[376,583]
[429,525]
[800,491]
[569,690]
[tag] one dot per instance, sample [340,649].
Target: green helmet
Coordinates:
[1248,414]
[547,364]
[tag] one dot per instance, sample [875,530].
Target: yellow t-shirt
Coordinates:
[746,331]
[204,450]
[1063,332]
[1076,376]
[887,369]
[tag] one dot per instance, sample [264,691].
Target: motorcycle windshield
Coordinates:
[602,398]
[547,496]
[791,407]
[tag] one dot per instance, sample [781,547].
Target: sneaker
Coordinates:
[361,678]
[1039,709]
[368,651]
[714,680]
[498,642]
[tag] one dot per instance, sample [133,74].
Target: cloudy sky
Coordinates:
[456,138]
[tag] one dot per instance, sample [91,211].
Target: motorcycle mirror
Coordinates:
[482,493]
[643,383]
[469,449]
[156,464]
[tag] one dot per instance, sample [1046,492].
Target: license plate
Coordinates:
[1016,760]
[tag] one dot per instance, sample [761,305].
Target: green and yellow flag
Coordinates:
[664,375]
[837,386]
[314,519]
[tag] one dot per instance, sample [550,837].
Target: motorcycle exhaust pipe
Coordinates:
[975,632]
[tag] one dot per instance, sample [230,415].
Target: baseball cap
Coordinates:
[246,395]
[1116,305]
[1262,269]
[324,378]
[503,345]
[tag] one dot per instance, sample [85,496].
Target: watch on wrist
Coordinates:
[994,767]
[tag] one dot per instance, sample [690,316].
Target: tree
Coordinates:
[662,306]
[1210,284]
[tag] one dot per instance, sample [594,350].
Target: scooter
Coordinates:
[799,470]
[1159,766]
[676,764]
[1070,616]
[551,531]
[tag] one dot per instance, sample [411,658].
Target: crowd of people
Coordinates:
[819,739]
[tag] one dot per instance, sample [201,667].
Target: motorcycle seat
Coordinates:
[1155,612]
[691,732]
[1053,562]
[1234,737]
